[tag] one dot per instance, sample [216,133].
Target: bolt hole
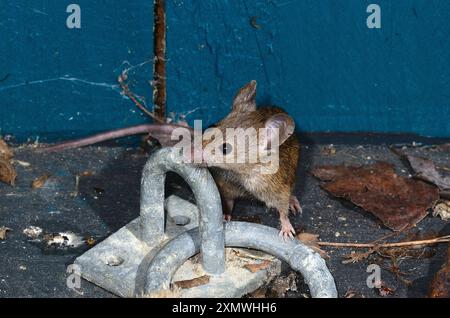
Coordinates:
[114,261]
[181,220]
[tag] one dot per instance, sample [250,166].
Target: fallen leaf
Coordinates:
[355,257]
[426,170]
[442,209]
[40,182]
[384,290]
[440,285]
[7,172]
[397,201]
[191,283]
[5,152]
[254,268]
[3,232]
[311,241]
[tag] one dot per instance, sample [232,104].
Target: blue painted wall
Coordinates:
[63,82]
[315,58]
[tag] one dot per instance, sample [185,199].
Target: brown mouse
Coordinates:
[236,180]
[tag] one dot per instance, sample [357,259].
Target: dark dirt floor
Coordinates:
[108,198]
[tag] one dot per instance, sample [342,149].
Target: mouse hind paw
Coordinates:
[294,205]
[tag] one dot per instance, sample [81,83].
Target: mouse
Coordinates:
[246,179]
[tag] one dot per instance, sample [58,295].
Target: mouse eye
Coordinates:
[227,148]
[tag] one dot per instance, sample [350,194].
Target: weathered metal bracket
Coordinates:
[151,252]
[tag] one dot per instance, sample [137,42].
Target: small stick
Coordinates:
[130,95]
[442,239]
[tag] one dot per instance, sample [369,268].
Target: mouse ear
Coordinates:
[279,128]
[244,101]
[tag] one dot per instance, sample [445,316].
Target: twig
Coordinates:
[441,239]
[126,91]
[405,229]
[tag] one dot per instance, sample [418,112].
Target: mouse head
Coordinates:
[247,138]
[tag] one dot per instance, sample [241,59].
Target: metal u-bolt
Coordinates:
[206,194]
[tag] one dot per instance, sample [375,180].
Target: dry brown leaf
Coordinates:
[8,174]
[440,286]
[40,182]
[397,201]
[5,152]
[355,257]
[191,283]
[254,268]
[384,290]
[426,170]
[311,241]
[3,232]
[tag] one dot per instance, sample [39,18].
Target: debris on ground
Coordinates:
[63,240]
[22,163]
[281,285]
[191,283]
[351,293]
[397,201]
[3,232]
[256,267]
[426,170]
[91,241]
[329,150]
[277,288]
[7,172]
[40,182]
[33,232]
[440,286]
[311,241]
[384,290]
[442,209]
[58,240]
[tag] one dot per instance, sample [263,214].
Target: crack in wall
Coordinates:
[114,87]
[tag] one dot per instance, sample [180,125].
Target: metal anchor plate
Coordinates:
[119,264]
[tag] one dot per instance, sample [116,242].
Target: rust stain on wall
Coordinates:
[159,67]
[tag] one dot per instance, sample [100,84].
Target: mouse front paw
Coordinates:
[287,230]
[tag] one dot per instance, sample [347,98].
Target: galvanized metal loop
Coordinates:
[152,217]
[247,235]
